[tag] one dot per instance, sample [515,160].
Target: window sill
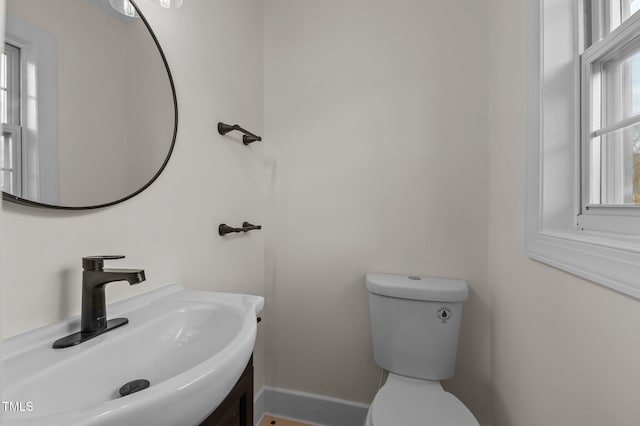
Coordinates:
[608,262]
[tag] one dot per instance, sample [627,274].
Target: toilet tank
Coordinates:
[415,323]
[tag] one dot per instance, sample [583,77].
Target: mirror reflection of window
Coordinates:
[10,143]
[97,104]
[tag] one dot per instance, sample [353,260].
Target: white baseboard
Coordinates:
[306,407]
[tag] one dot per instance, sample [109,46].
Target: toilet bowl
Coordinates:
[414,324]
[404,401]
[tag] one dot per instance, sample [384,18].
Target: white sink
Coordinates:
[191,345]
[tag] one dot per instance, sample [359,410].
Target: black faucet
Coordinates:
[94,280]
[93,318]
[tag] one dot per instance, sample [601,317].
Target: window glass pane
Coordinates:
[6,152]
[3,107]
[621,89]
[10,85]
[603,16]
[3,88]
[593,180]
[3,71]
[615,13]
[615,167]
[6,169]
[5,181]
[635,83]
[628,8]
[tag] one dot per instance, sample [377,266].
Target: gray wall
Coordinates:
[564,351]
[376,130]
[396,130]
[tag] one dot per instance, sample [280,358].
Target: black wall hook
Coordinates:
[225,229]
[247,137]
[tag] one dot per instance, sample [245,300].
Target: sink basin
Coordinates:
[192,347]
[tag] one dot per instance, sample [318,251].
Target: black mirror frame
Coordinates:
[23,201]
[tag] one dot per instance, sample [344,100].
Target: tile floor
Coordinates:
[268,420]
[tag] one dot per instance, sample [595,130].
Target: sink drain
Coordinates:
[133,387]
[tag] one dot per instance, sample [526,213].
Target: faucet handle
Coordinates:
[96,263]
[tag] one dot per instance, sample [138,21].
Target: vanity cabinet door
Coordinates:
[237,408]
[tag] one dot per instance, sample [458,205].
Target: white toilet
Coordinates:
[415,323]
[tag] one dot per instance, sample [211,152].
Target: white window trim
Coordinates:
[553,159]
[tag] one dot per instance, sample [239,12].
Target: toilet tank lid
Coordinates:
[418,287]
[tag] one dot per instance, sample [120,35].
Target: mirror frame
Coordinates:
[23,201]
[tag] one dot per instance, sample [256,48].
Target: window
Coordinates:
[10,106]
[583,139]
[610,120]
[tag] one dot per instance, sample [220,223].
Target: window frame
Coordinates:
[553,157]
[621,218]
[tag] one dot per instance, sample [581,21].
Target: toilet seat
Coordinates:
[414,402]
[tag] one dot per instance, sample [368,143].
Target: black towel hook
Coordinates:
[225,229]
[247,137]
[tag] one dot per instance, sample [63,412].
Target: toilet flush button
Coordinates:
[444,314]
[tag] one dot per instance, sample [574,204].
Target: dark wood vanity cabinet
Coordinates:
[237,408]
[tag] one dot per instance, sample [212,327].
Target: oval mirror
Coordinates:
[87,104]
